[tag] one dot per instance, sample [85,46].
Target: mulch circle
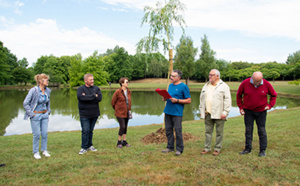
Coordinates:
[160,137]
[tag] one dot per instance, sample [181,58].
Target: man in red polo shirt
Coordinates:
[252,100]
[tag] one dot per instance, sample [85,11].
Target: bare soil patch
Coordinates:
[160,137]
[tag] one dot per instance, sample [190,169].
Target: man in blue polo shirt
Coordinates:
[180,94]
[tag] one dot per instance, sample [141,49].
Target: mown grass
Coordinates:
[279,86]
[146,165]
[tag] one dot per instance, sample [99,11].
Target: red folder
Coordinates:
[163,93]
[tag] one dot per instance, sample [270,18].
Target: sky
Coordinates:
[237,30]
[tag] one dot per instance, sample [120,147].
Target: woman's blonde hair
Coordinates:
[40,77]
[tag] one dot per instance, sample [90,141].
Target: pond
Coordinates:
[147,108]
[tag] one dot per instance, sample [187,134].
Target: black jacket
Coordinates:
[88,104]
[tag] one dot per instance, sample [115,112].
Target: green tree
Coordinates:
[295,70]
[157,65]
[4,67]
[8,62]
[293,58]
[207,61]
[240,65]
[118,64]
[161,29]
[23,63]
[38,67]
[22,75]
[139,65]
[185,57]
[75,71]
[245,73]
[94,64]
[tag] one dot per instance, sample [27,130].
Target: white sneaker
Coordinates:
[91,148]
[37,156]
[46,153]
[82,151]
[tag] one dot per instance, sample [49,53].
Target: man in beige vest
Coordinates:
[215,104]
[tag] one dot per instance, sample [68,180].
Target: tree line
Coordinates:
[116,63]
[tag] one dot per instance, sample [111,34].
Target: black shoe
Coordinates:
[119,144]
[125,144]
[262,153]
[2,165]
[246,151]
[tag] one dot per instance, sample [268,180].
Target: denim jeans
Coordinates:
[172,122]
[39,126]
[260,118]
[209,128]
[87,126]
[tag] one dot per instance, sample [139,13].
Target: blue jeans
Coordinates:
[87,126]
[39,126]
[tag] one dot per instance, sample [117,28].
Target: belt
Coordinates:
[40,112]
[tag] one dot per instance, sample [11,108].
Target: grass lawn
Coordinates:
[280,86]
[145,164]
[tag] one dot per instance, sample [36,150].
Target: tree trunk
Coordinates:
[169,73]
[187,81]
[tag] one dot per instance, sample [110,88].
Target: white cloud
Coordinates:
[249,55]
[268,18]
[45,37]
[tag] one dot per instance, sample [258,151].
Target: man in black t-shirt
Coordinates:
[88,97]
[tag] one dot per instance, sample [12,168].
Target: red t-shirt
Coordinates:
[255,98]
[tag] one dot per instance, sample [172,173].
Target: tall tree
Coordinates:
[118,65]
[4,67]
[185,57]
[161,29]
[207,60]
[94,64]
[293,58]
[75,71]
[8,62]
[139,66]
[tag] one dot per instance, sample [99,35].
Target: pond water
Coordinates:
[147,108]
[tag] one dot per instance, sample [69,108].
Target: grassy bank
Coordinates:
[281,87]
[145,164]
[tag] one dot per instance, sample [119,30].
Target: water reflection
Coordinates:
[147,108]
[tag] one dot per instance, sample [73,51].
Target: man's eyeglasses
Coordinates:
[211,74]
[172,76]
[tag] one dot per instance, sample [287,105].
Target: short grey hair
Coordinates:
[217,72]
[178,72]
[87,76]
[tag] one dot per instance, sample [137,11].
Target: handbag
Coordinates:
[129,114]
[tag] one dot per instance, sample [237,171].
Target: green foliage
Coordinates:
[8,62]
[240,65]
[118,65]
[94,64]
[161,23]
[295,82]
[207,60]
[55,67]
[185,57]
[139,65]
[22,75]
[157,66]
[293,58]
[75,71]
